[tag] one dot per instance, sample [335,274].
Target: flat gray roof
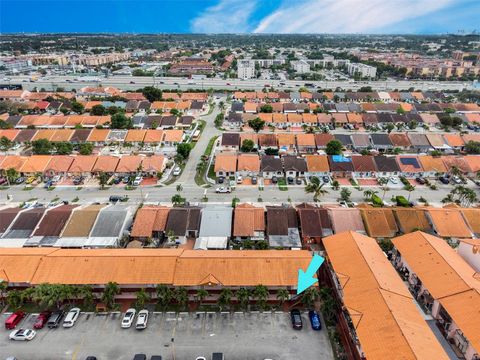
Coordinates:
[216,221]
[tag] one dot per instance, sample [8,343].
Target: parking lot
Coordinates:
[174,336]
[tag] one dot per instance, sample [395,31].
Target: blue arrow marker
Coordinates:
[305,278]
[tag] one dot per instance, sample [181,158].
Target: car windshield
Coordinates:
[28,332]
[297,318]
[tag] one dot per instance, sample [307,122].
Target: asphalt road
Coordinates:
[182,336]
[136,82]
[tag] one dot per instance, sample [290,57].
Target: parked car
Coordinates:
[140,357]
[54,319]
[274,180]
[91,358]
[56,178]
[41,320]
[115,198]
[200,358]
[14,319]
[444,180]
[421,180]
[22,334]
[254,180]
[155,357]
[2,180]
[142,320]
[30,179]
[326,179]
[239,179]
[296,318]
[137,181]
[19,180]
[117,180]
[315,320]
[217,356]
[223,190]
[71,317]
[127,319]
[456,180]
[393,180]
[126,179]
[78,180]
[290,180]
[221,179]
[49,183]
[298,181]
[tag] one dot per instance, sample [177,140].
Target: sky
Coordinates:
[241,16]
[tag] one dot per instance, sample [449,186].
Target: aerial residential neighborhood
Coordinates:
[227,180]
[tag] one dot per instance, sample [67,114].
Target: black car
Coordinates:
[221,179]
[254,180]
[140,357]
[274,180]
[290,180]
[117,180]
[155,357]
[54,319]
[325,179]
[444,180]
[296,319]
[217,356]
[91,358]
[298,181]
[78,180]
[420,180]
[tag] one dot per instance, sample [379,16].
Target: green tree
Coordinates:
[98,110]
[42,147]
[164,295]
[108,297]
[85,148]
[315,187]
[142,297]
[103,179]
[14,299]
[225,297]
[77,107]
[152,93]
[345,194]
[260,294]
[12,175]
[177,199]
[85,292]
[328,305]
[267,108]
[243,297]
[409,188]
[256,124]
[184,149]
[120,121]
[247,145]
[471,147]
[63,148]
[282,296]
[334,147]
[5,144]
[3,292]
[201,295]
[309,296]
[368,194]
[219,120]
[181,296]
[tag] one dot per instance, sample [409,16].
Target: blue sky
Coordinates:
[240,16]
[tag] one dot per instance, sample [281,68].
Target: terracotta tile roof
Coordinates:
[399,139]
[309,118]
[317,163]
[10,134]
[248,162]
[82,164]
[153,163]
[43,134]
[98,135]
[377,222]
[449,223]
[436,140]
[59,163]
[173,135]
[129,164]
[13,162]
[279,118]
[90,104]
[454,140]
[339,118]
[153,136]
[285,139]
[62,135]
[248,219]
[106,164]
[430,119]
[306,140]
[294,118]
[135,135]
[19,265]
[456,161]
[240,268]
[249,136]
[378,301]
[346,219]
[354,118]
[434,164]
[226,162]
[35,163]
[471,137]
[323,139]
[473,162]
[250,106]
[323,118]
[410,220]
[472,217]
[149,219]
[267,140]
[268,118]
[81,221]
[363,163]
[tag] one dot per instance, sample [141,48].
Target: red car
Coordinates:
[14,319]
[41,320]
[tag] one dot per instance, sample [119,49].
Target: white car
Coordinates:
[239,179]
[137,181]
[176,171]
[22,334]
[71,317]
[393,180]
[142,320]
[127,320]
[56,178]
[223,190]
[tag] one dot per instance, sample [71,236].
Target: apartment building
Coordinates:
[365,71]
[246,69]
[300,66]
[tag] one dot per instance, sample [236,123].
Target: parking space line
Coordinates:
[78,347]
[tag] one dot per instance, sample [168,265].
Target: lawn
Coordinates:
[200,174]
[282,184]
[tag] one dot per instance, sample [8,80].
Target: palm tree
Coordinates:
[108,297]
[328,305]
[260,293]
[309,296]
[85,292]
[225,297]
[201,295]
[316,188]
[455,171]
[368,194]
[383,185]
[409,188]
[181,296]
[103,179]
[179,188]
[3,290]
[14,299]
[282,296]
[142,297]
[243,297]
[164,295]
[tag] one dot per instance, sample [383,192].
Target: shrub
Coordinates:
[376,200]
[402,201]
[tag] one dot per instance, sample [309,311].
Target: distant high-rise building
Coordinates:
[245,69]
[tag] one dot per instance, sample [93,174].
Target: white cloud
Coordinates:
[228,16]
[345,16]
